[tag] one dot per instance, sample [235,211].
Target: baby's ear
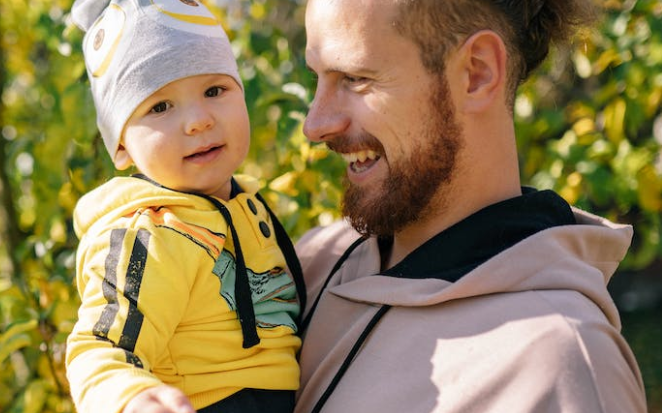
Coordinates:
[122,158]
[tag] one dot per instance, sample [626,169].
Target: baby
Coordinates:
[186,303]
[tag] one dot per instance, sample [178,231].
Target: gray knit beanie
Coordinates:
[133,48]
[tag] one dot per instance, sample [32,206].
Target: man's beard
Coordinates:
[405,195]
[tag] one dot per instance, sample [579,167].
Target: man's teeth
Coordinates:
[360,156]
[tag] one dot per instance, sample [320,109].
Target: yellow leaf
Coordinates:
[257,11]
[16,329]
[615,120]
[35,396]
[15,338]
[66,197]
[650,189]
[654,100]
[309,181]
[583,126]
[285,184]
[318,152]
[64,315]
[607,58]
[58,232]
[570,194]
[574,179]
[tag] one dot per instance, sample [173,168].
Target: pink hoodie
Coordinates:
[533,329]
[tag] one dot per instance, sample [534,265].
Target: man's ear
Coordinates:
[122,159]
[483,61]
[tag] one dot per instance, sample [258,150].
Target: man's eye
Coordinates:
[214,91]
[355,81]
[160,107]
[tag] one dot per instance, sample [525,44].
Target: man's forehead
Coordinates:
[363,4]
[354,14]
[342,26]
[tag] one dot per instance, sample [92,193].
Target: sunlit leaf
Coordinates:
[15,338]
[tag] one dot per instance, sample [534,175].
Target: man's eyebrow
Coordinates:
[358,70]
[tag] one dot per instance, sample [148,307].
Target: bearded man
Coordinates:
[449,287]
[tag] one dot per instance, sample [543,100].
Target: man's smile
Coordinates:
[360,161]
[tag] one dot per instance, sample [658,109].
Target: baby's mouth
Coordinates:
[204,152]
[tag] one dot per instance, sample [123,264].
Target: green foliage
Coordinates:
[643,332]
[589,125]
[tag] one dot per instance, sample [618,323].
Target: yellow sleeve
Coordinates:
[134,285]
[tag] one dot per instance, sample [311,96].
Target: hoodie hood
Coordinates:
[581,257]
[122,196]
[122,200]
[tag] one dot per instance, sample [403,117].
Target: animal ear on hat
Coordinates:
[104,37]
[85,12]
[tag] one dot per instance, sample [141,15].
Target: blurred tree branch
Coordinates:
[10,232]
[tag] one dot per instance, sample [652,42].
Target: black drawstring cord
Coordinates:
[245,301]
[242,289]
[359,342]
[350,358]
[335,268]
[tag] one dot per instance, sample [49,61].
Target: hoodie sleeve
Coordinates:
[134,285]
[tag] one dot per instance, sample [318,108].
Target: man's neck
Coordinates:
[410,238]
[459,249]
[429,225]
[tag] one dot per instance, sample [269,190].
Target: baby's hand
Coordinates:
[160,399]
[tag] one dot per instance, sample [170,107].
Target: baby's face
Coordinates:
[191,135]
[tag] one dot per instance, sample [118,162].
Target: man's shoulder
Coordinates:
[333,238]
[320,247]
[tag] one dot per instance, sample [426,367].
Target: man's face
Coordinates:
[380,109]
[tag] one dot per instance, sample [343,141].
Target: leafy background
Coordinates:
[589,125]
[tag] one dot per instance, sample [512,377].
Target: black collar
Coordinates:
[464,246]
[235,188]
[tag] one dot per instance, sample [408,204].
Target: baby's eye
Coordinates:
[214,91]
[160,107]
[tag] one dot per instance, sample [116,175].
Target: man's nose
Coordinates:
[326,116]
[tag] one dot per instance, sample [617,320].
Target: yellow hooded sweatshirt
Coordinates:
[156,276]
